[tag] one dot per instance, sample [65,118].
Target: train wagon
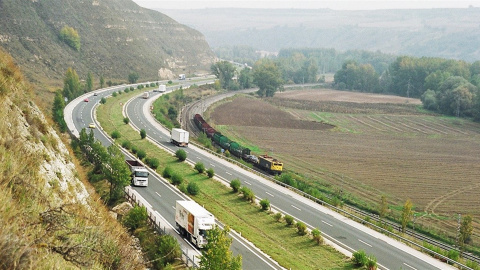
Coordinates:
[239,151]
[270,164]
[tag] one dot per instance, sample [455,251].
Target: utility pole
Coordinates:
[408,88]
[458,230]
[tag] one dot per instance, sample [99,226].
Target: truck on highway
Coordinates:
[193,222]
[179,137]
[162,88]
[139,173]
[181,77]
[145,95]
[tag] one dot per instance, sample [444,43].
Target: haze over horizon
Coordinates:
[334,5]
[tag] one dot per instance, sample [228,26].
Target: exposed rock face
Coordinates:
[116,38]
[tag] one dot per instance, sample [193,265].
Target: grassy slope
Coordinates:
[277,240]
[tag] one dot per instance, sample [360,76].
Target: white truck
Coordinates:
[145,95]
[193,222]
[162,88]
[139,173]
[181,77]
[179,137]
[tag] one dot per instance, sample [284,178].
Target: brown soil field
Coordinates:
[368,152]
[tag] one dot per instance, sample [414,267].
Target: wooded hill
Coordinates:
[445,33]
[116,38]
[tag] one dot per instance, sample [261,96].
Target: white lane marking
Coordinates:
[173,207]
[158,194]
[296,207]
[228,173]
[327,223]
[365,243]
[269,194]
[247,183]
[186,151]
[410,266]
[212,165]
[198,157]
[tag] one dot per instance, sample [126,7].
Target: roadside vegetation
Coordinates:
[282,242]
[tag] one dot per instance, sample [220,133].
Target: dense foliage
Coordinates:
[446,86]
[70,37]
[217,254]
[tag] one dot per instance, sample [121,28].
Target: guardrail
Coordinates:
[158,223]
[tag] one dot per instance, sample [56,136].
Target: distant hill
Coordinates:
[116,38]
[446,33]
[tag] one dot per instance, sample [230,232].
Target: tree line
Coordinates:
[445,86]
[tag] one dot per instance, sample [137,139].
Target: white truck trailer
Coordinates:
[193,222]
[162,88]
[179,137]
[145,95]
[139,173]
[181,77]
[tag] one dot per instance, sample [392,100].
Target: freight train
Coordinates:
[264,162]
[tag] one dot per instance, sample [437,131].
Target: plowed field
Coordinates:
[366,147]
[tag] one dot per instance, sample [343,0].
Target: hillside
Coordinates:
[446,33]
[116,38]
[48,217]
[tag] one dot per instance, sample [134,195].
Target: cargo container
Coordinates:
[179,137]
[193,222]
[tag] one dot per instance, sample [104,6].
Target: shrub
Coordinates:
[473,265]
[152,84]
[126,120]
[359,258]
[119,92]
[247,194]
[289,220]
[193,188]
[103,100]
[127,145]
[134,149]
[167,172]
[265,204]
[153,162]
[301,228]
[183,188]
[116,134]
[143,133]
[371,263]
[277,216]
[181,155]
[141,154]
[126,90]
[168,248]
[199,167]
[70,36]
[235,185]
[132,88]
[170,82]
[453,254]
[317,236]
[114,94]
[140,86]
[135,218]
[210,173]
[177,179]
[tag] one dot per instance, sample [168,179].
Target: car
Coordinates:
[86,100]
[95,94]
[92,125]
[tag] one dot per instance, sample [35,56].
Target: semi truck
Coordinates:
[193,221]
[179,137]
[181,77]
[145,95]
[139,173]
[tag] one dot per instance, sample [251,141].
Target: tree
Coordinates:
[89,82]
[102,81]
[248,194]
[135,218]
[317,236]
[57,111]
[466,230]
[301,228]
[383,207]
[103,100]
[267,77]
[143,133]
[265,204]
[245,79]
[126,120]
[225,72]
[133,77]
[116,172]
[181,155]
[217,254]
[71,85]
[407,214]
[70,37]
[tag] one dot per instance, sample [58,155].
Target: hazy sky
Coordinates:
[337,5]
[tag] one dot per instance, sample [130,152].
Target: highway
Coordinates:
[160,194]
[346,233]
